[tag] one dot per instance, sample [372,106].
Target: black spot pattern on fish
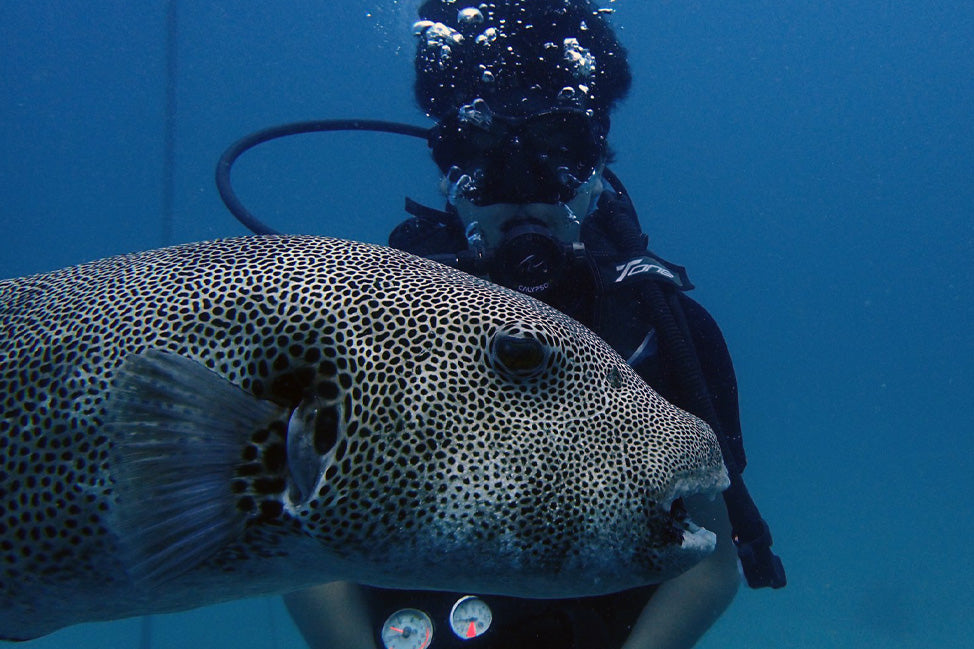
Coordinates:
[542,459]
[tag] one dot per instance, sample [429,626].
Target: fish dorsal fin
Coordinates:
[178,430]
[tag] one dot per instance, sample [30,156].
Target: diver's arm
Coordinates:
[682,609]
[331,615]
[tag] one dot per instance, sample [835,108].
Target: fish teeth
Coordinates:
[699,538]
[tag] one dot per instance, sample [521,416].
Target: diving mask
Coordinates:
[544,157]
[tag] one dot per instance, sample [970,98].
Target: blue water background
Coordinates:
[812,164]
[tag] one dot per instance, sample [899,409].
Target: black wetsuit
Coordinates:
[622,316]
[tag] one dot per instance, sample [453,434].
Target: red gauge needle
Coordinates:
[471,631]
[396,630]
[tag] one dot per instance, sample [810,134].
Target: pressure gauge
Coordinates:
[408,628]
[470,617]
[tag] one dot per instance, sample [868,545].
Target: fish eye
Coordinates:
[518,356]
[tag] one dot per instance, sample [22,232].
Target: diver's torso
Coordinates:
[602,622]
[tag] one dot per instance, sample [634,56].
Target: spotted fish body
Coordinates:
[251,416]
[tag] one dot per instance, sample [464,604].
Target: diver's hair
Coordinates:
[528,62]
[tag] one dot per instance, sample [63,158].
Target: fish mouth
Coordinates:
[693,539]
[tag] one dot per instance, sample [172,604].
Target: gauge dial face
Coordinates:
[470,617]
[408,628]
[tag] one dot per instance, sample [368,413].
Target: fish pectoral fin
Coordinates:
[178,432]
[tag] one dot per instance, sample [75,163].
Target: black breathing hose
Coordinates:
[225,164]
[235,150]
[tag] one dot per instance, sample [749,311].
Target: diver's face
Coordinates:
[562,219]
[545,166]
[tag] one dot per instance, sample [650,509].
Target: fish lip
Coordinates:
[700,483]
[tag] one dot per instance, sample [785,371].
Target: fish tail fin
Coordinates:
[179,431]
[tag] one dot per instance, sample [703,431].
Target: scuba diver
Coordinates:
[522,91]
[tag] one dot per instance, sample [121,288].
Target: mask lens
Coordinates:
[566,140]
[459,144]
[566,146]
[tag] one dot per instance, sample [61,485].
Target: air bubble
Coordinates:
[470,16]
[421,26]
[477,113]
[459,187]
[580,58]
[487,37]
[438,33]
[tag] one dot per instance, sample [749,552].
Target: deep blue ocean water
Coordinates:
[812,164]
